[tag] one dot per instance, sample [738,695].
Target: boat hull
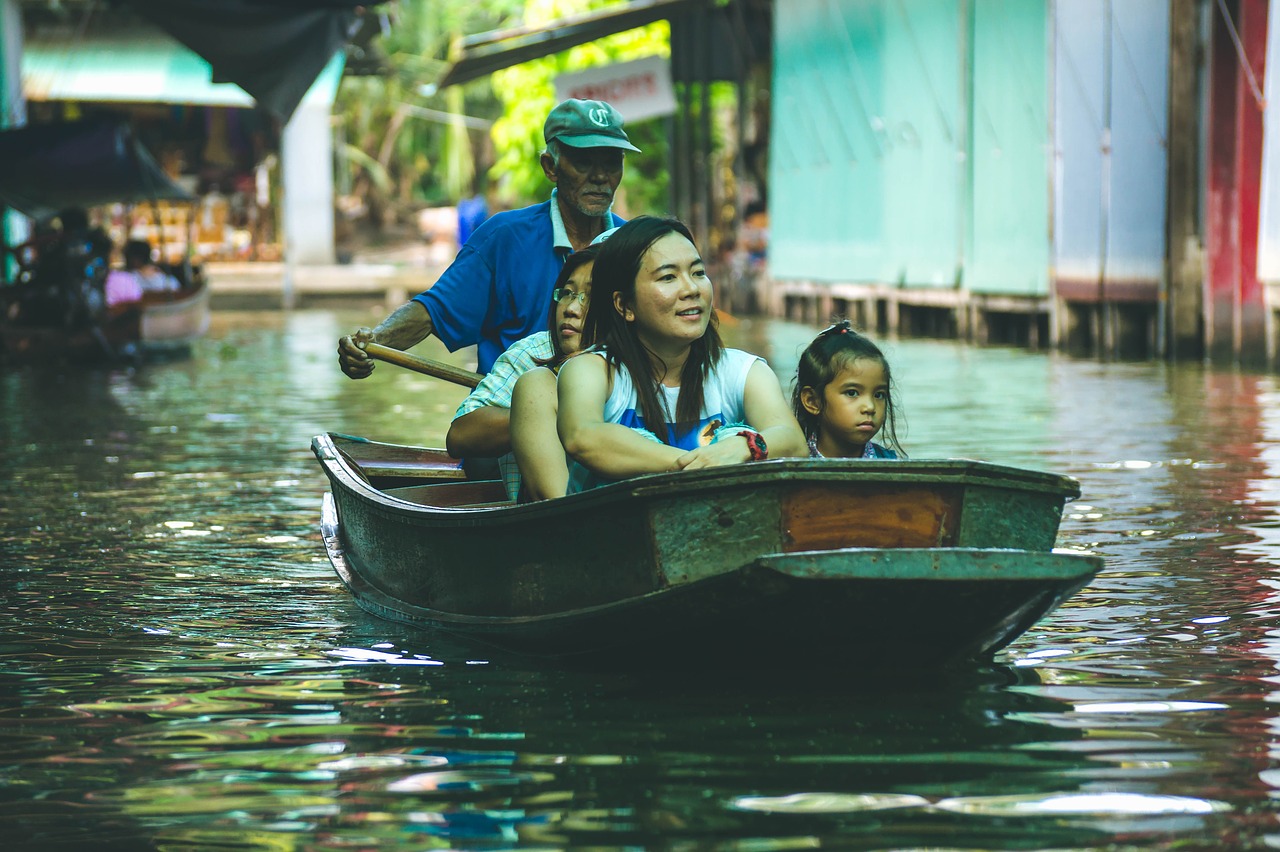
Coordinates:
[162,324]
[781,559]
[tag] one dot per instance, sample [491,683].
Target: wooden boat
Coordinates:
[161,324]
[45,168]
[779,562]
[169,322]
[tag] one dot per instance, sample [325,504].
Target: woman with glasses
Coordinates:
[659,391]
[482,424]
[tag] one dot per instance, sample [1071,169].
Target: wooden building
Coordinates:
[1084,174]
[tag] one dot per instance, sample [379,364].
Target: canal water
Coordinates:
[180,669]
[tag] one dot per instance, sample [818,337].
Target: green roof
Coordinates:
[138,67]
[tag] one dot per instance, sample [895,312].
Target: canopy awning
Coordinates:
[268,52]
[484,53]
[272,49]
[140,66]
[45,168]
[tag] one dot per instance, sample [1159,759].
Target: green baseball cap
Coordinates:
[586,124]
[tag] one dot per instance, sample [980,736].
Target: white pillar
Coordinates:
[306,162]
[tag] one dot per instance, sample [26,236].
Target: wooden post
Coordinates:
[1251,323]
[1235,322]
[1184,270]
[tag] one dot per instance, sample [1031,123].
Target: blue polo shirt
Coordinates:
[498,288]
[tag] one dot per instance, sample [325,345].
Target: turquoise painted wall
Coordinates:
[910,143]
[1010,149]
[827,176]
[14,228]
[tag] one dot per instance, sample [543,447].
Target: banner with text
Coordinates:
[638,89]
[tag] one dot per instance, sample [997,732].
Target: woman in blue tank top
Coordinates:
[659,391]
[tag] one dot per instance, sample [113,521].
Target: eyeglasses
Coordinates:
[562,294]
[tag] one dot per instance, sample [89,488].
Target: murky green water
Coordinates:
[180,668]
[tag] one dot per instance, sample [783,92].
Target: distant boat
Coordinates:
[785,562]
[47,168]
[161,324]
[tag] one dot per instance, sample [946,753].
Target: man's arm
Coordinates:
[407,326]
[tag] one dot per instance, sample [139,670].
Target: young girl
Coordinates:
[482,424]
[843,396]
[660,391]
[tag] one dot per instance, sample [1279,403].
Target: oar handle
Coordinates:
[448,372]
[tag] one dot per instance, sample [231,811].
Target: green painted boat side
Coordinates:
[730,555]
[936,564]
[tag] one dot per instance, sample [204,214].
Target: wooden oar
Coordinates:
[448,372]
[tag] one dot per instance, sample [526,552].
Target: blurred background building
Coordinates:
[1094,174]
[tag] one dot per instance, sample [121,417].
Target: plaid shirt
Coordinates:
[497,386]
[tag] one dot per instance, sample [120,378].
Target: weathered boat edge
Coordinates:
[176,323]
[798,604]
[936,563]
[954,471]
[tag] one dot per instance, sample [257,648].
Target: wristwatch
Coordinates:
[755,443]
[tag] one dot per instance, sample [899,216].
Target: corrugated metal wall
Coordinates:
[1269,224]
[927,142]
[924,141]
[1235,304]
[910,143]
[1111,107]
[866,178]
[1009,247]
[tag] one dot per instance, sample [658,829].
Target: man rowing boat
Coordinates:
[496,290]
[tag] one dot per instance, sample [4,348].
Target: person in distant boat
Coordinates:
[139,259]
[126,287]
[482,425]
[71,270]
[659,391]
[123,291]
[843,396]
[495,291]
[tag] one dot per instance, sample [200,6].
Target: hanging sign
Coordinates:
[638,89]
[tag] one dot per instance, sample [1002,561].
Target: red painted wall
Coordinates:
[1235,321]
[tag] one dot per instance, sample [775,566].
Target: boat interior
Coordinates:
[485,494]
[422,476]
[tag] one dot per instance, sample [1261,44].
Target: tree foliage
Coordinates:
[401,132]
[403,153]
[527,92]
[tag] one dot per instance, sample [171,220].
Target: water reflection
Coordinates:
[183,669]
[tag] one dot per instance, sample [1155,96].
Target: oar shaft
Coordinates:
[448,372]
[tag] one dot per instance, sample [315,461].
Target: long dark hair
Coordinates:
[823,359]
[617,265]
[571,265]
